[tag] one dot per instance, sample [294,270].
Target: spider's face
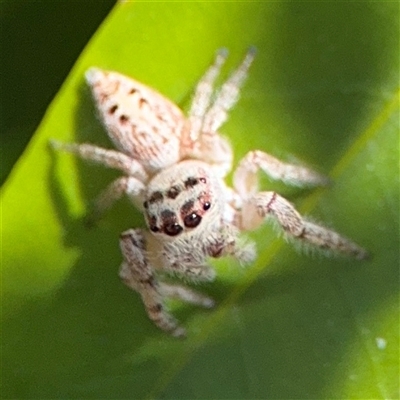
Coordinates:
[182,199]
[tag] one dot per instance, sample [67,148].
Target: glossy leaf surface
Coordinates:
[323,90]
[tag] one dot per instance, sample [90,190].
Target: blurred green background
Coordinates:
[323,89]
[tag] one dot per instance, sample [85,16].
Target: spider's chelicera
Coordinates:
[174,169]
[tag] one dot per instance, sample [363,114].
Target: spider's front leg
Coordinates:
[138,274]
[207,114]
[257,206]
[266,204]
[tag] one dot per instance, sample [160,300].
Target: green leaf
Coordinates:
[323,89]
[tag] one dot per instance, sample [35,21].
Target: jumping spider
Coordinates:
[174,169]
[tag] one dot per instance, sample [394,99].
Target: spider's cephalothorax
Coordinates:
[183,199]
[174,169]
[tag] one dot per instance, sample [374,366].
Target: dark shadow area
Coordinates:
[40,42]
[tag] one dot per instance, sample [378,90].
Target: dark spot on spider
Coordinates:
[190,182]
[301,234]
[112,109]
[153,223]
[173,192]
[156,308]
[132,91]
[187,207]
[167,214]
[148,281]
[216,250]
[192,220]
[123,119]
[136,241]
[142,102]
[155,197]
[146,204]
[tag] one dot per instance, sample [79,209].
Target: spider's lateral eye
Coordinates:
[173,229]
[192,220]
[154,228]
[206,206]
[203,180]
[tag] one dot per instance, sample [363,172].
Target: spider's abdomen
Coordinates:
[140,121]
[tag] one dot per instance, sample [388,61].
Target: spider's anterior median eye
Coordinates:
[192,220]
[173,229]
